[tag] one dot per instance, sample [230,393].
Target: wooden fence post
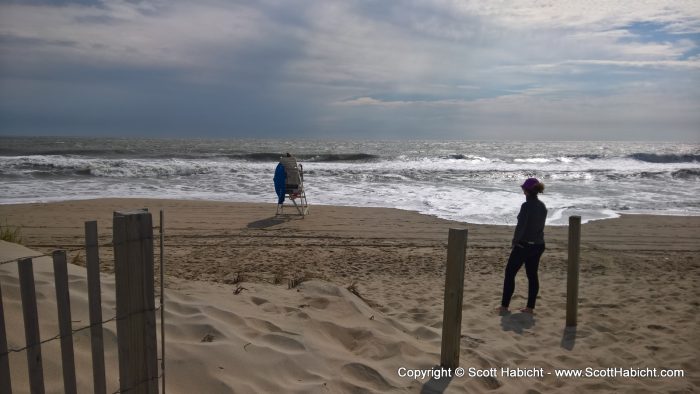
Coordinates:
[454,289]
[60,271]
[31,326]
[572,271]
[136,323]
[95,301]
[5,383]
[162,299]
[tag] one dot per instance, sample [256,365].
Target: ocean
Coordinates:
[469,181]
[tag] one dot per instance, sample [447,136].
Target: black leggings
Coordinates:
[530,255]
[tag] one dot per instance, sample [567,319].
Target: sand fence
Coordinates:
[135,311]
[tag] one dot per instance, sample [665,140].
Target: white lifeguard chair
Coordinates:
[294,186]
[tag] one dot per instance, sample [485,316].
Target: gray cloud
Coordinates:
[360,69]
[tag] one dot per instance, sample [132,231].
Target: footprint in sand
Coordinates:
[282,343]
[367,375]
[258,300]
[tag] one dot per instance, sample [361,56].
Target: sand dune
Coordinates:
[638,309]
[318,337]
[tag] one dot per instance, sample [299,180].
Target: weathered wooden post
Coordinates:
[31,325]
[162,300]
[5,383]
[92,256]
[573,269]
[454,289]
[60,271]
[136,320]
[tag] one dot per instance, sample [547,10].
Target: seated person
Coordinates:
[293,172]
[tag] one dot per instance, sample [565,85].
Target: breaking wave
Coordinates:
[665,158]
[311,157]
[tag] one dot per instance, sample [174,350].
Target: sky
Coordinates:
[428,69]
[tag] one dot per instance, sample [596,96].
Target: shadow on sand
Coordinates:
[568,339]
[436,386]
[517,322]
[269,222]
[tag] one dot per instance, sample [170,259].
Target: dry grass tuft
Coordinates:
[207,338]
[296,281]
[353,289]
[78,260]
[11,233]
[277,279]
[235,279]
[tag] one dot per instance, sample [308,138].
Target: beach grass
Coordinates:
[11,233]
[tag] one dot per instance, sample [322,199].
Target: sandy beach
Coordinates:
[639,304]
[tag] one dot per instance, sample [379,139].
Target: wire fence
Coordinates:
[36,256]
[77,330]
[67,250]
[139,384]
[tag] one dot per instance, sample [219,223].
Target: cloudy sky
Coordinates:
[509,69]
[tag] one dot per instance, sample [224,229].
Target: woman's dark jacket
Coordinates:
[530,228]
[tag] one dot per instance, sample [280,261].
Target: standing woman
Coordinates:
[527,246]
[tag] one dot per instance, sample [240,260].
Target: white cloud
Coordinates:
[592,15]
[674,64]
[142,34]
[574,66]
[361,101]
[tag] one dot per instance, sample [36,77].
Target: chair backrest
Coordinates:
[292,169]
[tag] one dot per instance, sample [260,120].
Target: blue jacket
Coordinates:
[280,179]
